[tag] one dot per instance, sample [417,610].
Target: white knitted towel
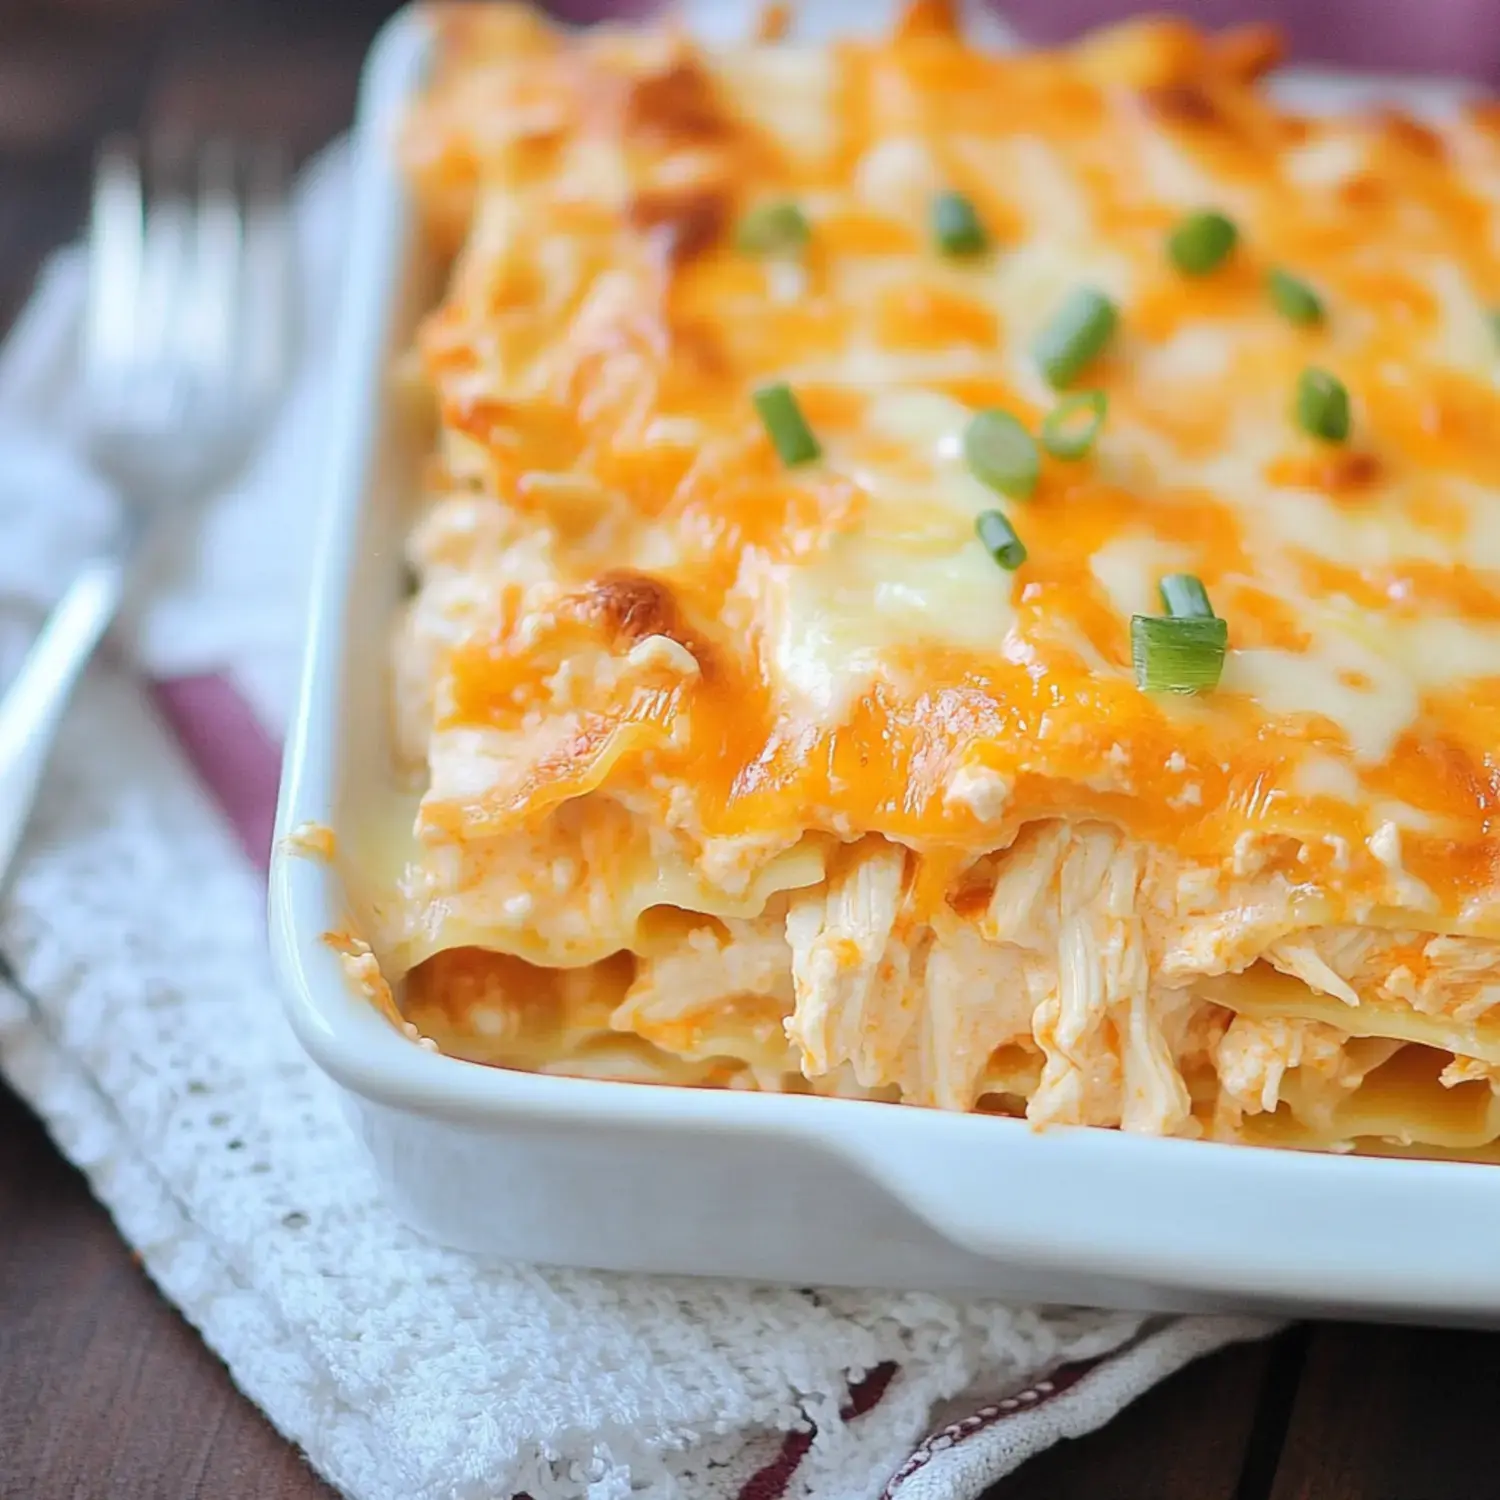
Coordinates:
[140,1021]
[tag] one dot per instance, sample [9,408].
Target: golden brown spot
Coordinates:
[1431,768]
[1363,190]
[677,106]
[773,22]
[923,20]
[681,221]
[1411,134]
[1339,475]
[1345,473]
[635,605]
[1485,116]
[1183,104]
[698,344]
[631,606]
[969,901]
[1244,53]
[1358,681]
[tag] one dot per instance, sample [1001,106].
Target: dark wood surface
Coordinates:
[105,1391]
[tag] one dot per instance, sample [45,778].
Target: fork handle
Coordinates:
[33,705]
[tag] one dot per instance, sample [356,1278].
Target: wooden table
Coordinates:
[105,1391]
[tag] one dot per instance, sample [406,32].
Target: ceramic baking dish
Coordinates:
[774,1187]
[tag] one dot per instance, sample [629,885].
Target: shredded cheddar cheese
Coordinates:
[680,651]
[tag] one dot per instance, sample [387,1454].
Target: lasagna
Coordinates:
[962,579]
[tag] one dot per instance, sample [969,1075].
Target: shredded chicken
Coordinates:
[1470,1070]
[1314,1066]
[720,988]
[1059,958]
[1096,966]
[852,1002]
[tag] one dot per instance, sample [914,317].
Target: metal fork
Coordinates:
[186,342]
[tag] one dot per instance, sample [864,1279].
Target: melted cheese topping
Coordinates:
[642,645]
[602,331]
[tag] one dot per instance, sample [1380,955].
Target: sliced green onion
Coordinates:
[1069,429]
[1201,241]
[956,226]
[773,228]
[1177,655]
[1078,332]
[1000,452]
[1000,539]
[785,424]
[1322,405]
[1185,597]
[1294,299]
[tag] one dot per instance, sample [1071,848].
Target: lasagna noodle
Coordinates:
[766,776]
[828,988]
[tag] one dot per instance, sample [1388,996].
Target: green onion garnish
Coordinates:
[1177,654]
[1000,539]
[1069,429]
[785,424]
[1322,406]
[773,228]
[1079,330]
[956,226]
[1185,597]
[1201,241]
[1294,299]
[1001,453]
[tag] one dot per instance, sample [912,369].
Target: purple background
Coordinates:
[1424,36]
[1453,37]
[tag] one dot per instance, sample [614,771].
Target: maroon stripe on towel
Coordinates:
[867,1393]
[238,763]
[772,1481]
[1058,1383]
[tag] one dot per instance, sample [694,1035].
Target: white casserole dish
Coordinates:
[636,1177]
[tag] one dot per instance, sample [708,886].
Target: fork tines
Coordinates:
[190,265]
